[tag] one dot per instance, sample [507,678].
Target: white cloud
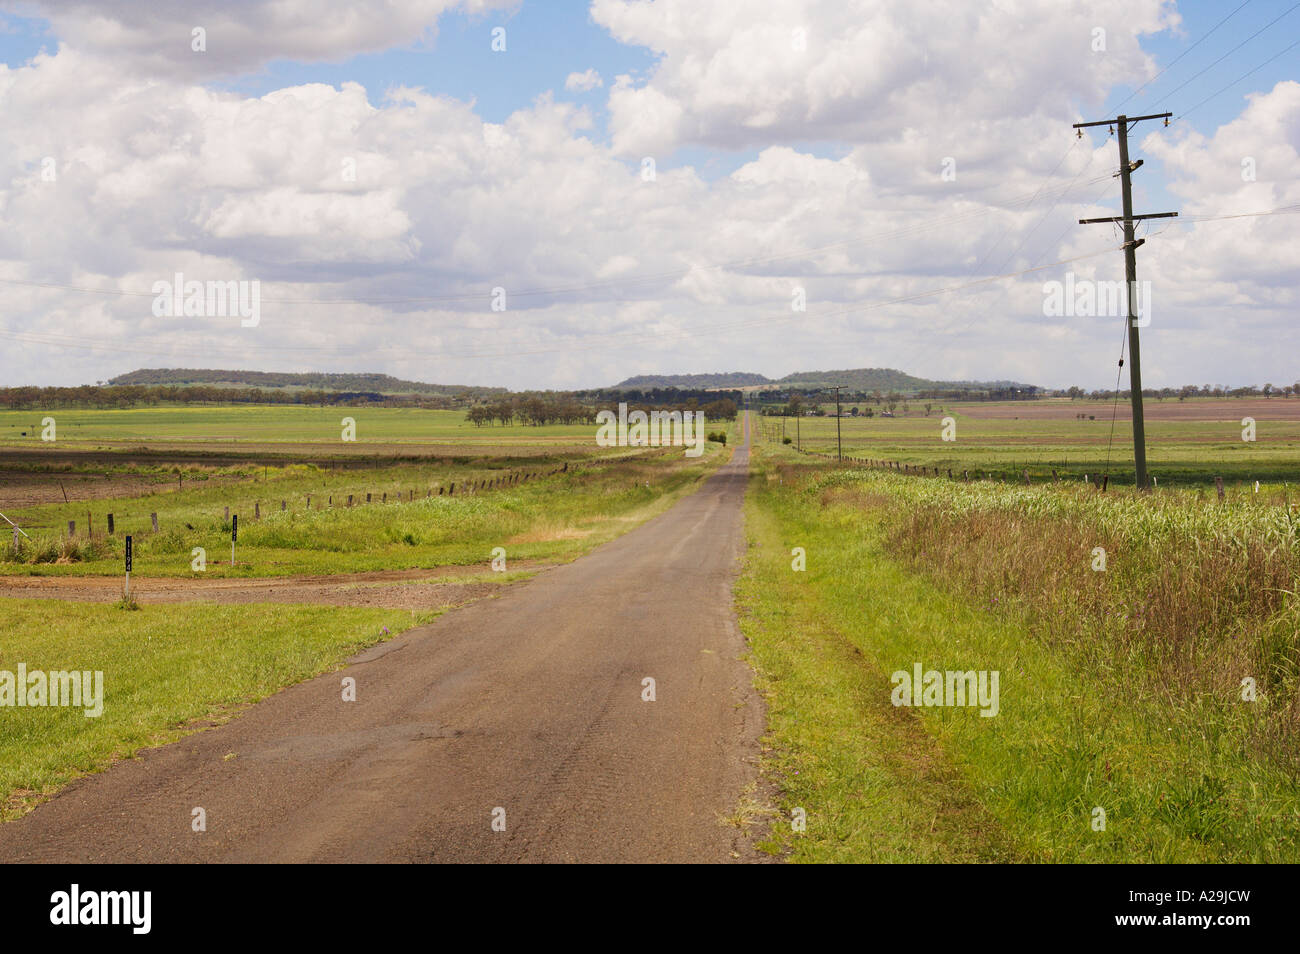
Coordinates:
[583,82]
[158,39]
[416,207]
[734,75]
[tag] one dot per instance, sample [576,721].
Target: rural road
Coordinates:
[531,702]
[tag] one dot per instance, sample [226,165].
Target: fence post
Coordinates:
[110,524]
[72,528]
[257,511]
[153,518]
[1218,485]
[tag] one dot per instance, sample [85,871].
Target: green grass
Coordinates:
[548,517]
[164,667]
[1178,452]
[1177,773]
[272,423]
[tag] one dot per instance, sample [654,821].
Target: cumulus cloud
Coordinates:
[737,75]
[380,226]
[583,82]
[160,39]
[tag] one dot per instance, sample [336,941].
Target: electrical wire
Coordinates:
[1182,54]
[79,341]
[631,281]
[1168,95]
[1238,80]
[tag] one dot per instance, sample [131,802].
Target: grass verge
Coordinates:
[164,668]
[1177,773]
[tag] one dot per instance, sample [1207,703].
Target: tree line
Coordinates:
[538,411]
[133,395]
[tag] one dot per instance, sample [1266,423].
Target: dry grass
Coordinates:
[1194,596]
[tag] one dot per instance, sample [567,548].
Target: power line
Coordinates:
[1239,79]
[1230,52]
[79,341]
[1182,54]
[1110,182]
[54,339]
[631,281]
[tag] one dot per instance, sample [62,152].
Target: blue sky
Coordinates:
[157,176]
[548,41]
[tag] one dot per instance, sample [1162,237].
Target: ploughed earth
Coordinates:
[1169,409]
[419,589]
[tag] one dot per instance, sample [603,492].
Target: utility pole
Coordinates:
[839,445]
[798,441]
[1122,123]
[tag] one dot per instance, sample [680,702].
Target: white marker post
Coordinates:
[234,535]
[127,594]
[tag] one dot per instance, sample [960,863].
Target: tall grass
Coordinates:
[435,530]
[1195,597]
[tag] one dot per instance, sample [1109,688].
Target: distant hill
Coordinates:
[730,379]
[856,379]
[379,383]
[861,379]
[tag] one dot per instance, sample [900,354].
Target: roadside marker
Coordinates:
[234,535]
[127,594]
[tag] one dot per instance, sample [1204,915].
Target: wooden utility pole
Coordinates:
[1122,123]
[839,444]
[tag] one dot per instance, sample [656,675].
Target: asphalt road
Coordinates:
[531,703]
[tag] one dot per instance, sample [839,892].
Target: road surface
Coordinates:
[529,709]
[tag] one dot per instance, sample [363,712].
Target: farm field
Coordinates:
[1123,694]
[1188,443]
[273,425]
[301,504]
[311,583]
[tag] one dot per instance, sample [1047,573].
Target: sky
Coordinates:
[564,194]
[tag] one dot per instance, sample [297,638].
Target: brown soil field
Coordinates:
[27,488]
[388,589]
[1171,409]
[225,454]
